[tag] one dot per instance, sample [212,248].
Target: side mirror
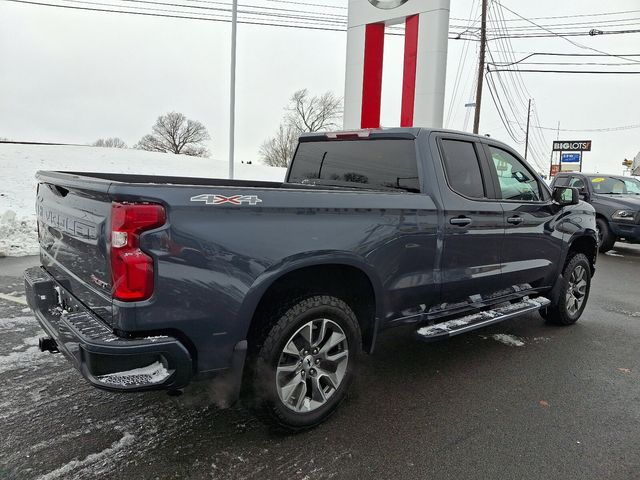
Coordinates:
[566,196]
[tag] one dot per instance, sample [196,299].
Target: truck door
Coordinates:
[473,225]
[532,245]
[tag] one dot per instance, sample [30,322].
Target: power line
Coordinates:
[309,4]
[461,62]
[568,16]
[261,7]
[589,72]
[563,35]
[606,129]
[248,12]
[210,17]
[218,9]
[501,111]
[570,63]
[573,25]
[579,45]
[534,54]
[516,79]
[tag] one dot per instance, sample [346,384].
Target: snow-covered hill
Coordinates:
[19,163]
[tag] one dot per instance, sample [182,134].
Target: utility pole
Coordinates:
[483,42]
[551,155]
[526,141]
[232,89]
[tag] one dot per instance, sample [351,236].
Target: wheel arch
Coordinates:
[586,244]
[344,276]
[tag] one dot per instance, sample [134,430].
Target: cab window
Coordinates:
[462,168]
[515,180]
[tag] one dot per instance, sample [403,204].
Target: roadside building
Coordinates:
[635,168]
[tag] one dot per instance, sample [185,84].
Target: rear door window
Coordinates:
[462,168]
[373,164]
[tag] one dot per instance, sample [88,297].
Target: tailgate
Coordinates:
[73,224]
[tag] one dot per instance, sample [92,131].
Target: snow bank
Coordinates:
[19,164]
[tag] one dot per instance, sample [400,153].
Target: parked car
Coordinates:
[616,200]
[152,282]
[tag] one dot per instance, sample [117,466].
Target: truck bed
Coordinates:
[153,179]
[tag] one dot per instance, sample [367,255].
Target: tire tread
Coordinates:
[281,320]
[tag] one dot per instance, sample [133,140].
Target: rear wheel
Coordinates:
[606,238]
[574,292]
[306,363]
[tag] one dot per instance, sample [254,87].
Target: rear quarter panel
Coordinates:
[215,261]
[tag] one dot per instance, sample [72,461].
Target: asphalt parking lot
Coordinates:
[519,400]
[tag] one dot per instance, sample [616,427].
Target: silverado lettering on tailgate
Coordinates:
[66,223]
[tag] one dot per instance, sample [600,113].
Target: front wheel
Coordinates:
[306,363]
[606,238]
[574,292]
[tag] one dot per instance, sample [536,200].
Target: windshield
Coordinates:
[615,186]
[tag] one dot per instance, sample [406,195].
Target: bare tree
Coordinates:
[175,133]
[111,142]
[278,150]
[305,113]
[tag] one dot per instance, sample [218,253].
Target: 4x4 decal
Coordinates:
[211,199]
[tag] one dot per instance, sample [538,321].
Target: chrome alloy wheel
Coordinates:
[577,290]
[312,365]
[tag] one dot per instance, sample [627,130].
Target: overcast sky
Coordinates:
[74,76]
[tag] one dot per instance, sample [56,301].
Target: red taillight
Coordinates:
[131,268]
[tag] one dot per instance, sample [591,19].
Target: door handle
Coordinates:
[515,220]
[460,221]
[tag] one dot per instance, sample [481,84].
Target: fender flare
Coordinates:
[308,259]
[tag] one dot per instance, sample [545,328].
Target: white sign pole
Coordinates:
[232,91]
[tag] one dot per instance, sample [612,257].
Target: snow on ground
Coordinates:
[92,459]
[19,164]
[507,339]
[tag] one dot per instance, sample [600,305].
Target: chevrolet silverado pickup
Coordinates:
[150,282]
[616,200]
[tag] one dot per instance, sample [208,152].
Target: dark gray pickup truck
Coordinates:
[616,200]
[152,282]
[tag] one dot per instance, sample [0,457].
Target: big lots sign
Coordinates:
[572,145]
[424,67]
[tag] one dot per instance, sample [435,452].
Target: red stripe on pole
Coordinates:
[409,75]
[372,78]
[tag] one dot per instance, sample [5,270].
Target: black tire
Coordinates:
[266,402]
[564,311]
[606,238]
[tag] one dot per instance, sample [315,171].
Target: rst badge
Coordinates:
[211,199]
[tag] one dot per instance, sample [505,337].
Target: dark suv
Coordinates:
[616,200]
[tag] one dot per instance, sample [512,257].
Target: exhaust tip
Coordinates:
[48,344]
